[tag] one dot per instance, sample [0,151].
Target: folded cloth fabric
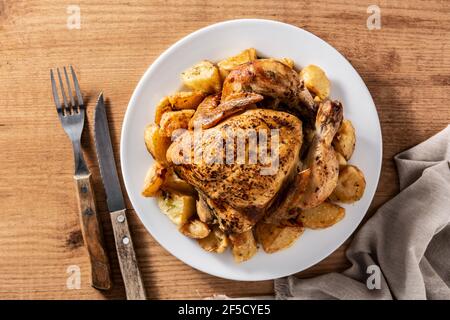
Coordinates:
[407,241]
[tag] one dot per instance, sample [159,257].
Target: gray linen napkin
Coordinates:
[408,238]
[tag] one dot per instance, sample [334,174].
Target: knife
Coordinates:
[131,275]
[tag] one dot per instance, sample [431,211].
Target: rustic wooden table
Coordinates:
[405,64]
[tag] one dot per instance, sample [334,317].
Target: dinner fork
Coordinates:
[71,114]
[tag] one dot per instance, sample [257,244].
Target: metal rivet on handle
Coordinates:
[121,218]
[125,240]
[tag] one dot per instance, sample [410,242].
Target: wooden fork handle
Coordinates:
[134,286]
[92,233]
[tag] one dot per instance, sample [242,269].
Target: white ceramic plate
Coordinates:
[271,39]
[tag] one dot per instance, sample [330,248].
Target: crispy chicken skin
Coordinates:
[254,81]
[284,207]
[239,192]
[206,114]
[210,112]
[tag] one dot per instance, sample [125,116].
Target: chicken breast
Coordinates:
[241,180]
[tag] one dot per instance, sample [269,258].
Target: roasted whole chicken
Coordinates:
[238,193]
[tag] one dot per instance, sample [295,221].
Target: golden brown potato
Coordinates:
[351,185]
[186,100]
[156,143]
[243,246]
[174,120]
[274,238]
[216,241]
[179,208]
[162,107]
[204,212]
[173,183]
[345,139]
[341,159]
[225,66]
[324,215]
[204,77]
[153,180]
[195,229]
[287,61]
[316,81]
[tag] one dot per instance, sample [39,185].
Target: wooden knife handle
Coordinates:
[134,286]
[92,233]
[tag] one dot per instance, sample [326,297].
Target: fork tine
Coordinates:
[69,88]
[55,92]
[77,88]
[66,110]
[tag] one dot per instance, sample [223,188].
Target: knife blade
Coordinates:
[105,158]
[131,275]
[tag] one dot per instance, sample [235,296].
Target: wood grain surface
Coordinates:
[405,64]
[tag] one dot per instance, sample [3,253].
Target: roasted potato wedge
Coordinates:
[173,183]
[153,180]
[195,229]
[287,61]
[243,246]
[179,208]
[156,143]
[225,66]
[341,159]
[204,212]
[186,100]
[345,139]
[274,238]
[351,185]
[174,120]
[204,77]
[162,107]
[216,241]
[316,81]
[324,215]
